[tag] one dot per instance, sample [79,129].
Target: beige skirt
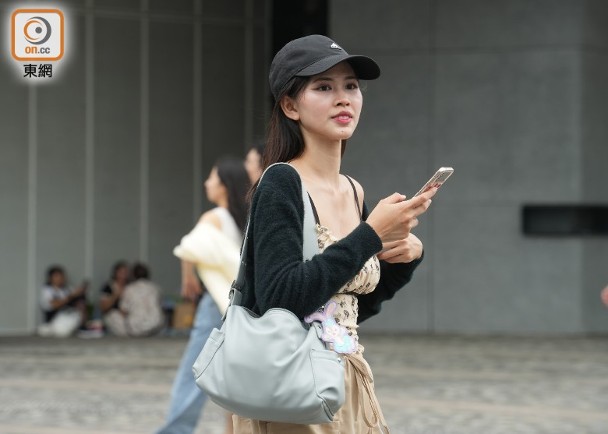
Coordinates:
[360,414]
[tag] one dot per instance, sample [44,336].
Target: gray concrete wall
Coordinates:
[594,119]
[14,202]
[509,94]
[107,161]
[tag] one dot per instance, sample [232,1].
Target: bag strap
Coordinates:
[309,249]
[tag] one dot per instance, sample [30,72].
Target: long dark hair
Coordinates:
[284,140]
[234,177]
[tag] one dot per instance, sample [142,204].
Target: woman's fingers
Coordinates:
[396,254]
[390,244]
[386,255]
[191,289]
[404,250]
[395,216]
[421,202]
[393,198]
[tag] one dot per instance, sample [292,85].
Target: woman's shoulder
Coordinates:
[358,189]
[212,217]
[280,172]
[281,178]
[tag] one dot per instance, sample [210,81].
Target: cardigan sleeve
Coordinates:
[280,277]
[392,278]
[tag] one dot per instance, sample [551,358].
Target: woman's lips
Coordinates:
[343,118]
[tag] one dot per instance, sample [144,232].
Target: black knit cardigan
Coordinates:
[276,275]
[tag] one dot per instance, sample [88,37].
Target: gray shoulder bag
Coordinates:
[272,367]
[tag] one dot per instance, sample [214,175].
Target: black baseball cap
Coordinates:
[311,55]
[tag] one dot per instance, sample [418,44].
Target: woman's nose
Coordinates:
[342,98]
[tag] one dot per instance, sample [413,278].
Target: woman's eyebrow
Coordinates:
[350,77]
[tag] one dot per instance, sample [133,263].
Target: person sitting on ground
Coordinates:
[140,312]
[64,309]
[112,291]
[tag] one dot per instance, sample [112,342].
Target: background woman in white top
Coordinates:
[226,187]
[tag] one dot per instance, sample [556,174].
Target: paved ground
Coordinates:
[427,385]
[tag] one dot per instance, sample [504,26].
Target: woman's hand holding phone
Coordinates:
[394,217]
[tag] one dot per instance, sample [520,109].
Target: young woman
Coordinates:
[219,229]
[364,257]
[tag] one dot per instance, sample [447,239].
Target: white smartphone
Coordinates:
[437,179]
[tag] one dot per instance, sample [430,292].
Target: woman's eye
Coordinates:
[352,86]
[324,87]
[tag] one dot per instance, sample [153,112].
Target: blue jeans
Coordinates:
[186,398]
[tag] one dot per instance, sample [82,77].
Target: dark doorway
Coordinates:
[293,19]
[565,220]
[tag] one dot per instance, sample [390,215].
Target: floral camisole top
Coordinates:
[346,308]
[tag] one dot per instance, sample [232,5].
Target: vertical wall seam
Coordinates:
[268,55]
[579,126]
[32,210]
[248,71]
[197,112]
[431,162]
[144,131]
[89,139]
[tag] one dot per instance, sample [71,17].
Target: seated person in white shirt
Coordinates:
[64,309]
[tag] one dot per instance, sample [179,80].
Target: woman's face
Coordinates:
[253,165]
[58,279]
[329,107]
[122,274]
[214,189]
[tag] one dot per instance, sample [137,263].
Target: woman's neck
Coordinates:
[222,202]
[321,163]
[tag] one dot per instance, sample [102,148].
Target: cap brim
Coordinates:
[365,68]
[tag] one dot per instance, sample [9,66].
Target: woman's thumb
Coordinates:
[394,198]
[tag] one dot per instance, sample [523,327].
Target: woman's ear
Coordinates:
[290,109]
